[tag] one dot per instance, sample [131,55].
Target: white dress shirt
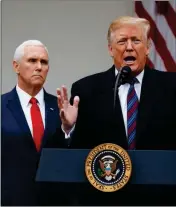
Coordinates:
[123,92]
[26,106]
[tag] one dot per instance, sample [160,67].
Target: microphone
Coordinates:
[122,76]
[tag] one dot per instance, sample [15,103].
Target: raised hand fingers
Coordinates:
[62,97]
[58,91]
[59,101]
[76,101]
[65,94]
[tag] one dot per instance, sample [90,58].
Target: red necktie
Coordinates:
[37,123]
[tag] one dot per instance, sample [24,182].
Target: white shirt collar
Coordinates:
[25,97]
[139,76]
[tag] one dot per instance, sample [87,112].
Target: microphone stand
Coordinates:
[122,76]
[116,86]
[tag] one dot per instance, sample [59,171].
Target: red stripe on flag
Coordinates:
[157,38]
[150,63]
[169,13]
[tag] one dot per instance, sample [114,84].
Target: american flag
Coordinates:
[162,17]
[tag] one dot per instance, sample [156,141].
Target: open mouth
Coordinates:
[129,59]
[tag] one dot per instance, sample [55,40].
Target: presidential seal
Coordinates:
[108,167]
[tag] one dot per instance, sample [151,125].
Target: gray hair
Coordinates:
[19,52]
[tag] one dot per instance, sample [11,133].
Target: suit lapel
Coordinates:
[115,113]
[149,95]
[119,123]
[15,107]
[51,115]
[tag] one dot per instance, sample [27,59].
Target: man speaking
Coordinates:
[140,116]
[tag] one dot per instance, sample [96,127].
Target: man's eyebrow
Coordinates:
[42,59]
[122,38]
[135,37]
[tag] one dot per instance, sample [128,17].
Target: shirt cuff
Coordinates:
[67,136]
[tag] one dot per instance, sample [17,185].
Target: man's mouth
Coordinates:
[129,60]
[37,76]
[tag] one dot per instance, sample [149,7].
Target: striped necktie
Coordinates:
[132,110]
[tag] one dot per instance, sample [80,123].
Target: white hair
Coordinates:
[19,52]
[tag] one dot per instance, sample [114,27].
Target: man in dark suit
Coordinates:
[97,120]
[27,126]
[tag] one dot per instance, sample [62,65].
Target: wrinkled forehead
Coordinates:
[35,51]
[128,31]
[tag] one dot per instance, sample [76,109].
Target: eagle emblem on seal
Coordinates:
[108,168]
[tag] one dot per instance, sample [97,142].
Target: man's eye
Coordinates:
[45,62]
[121,42]
[32,60]
[136,41]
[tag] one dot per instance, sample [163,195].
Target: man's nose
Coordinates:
[39,66]
[129,46]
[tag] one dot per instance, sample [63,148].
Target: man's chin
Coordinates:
[37,83]
[135,70]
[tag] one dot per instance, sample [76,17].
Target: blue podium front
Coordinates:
[153,177]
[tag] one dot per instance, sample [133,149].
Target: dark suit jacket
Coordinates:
[19,158]
[98,122]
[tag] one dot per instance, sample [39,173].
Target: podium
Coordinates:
[151,169]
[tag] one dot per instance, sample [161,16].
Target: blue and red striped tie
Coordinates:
[132,110]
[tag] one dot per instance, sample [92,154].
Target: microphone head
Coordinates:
[125,73]
[126,70]
[122,77]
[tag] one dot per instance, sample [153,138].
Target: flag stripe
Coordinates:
[159,41]
[150,63]
[157,14]
[156,58]
[170,15]
[173,4]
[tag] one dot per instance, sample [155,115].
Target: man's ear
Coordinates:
[148,46]
[16,67]
[110,50]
